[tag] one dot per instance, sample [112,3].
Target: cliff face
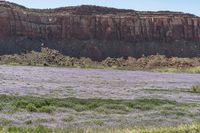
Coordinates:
[98,32]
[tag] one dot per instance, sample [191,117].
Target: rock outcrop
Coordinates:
[98,32]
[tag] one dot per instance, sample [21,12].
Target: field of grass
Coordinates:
[192,128]
[48,105]
[16,104]
[91,99]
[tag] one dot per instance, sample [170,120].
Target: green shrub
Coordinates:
[196,88]
[154,61]
[28,122]
[21,103]
[68,119]
[4,121]
[98,122]
[31,107]
[80,108]
[1,106]
[47,109]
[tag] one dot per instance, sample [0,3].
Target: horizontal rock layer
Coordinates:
[98,32]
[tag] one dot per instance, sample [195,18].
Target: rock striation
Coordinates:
[98,32]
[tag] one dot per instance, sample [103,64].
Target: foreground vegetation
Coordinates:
[192,128]
[196,88]
[13,104]
[48,105]
[49,57]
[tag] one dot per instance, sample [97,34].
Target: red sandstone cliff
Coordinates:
[98,32]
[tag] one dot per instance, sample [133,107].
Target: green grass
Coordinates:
[98,122]
[196,88]
[108,106]
[194,69]
[4,121]
[190,128]
[178,69]
[47,109]
[28,122]
[31,107]
[69,118]
[166,70]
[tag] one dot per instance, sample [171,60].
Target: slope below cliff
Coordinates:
[98,32]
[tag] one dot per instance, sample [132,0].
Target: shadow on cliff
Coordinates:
[99,50]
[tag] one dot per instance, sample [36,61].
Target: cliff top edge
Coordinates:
[90,9]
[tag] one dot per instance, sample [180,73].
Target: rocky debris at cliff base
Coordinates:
[50,57]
